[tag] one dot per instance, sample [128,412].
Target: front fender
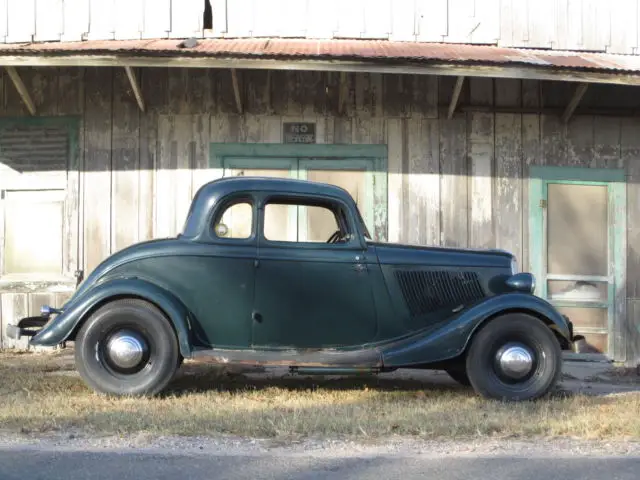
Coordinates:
[62,326]
[451,338]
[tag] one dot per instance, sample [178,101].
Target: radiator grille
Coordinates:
[427,291]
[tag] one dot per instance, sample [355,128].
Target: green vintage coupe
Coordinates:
[271,271]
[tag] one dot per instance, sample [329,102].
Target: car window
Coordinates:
[236,221]
[299,222]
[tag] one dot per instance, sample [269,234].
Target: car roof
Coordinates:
[211,192]
[225,185]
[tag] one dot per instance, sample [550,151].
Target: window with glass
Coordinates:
[235,221]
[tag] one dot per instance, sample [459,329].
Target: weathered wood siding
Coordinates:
[458,182]
[594,25]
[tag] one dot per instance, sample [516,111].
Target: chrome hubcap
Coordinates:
[126,349]
[514,361]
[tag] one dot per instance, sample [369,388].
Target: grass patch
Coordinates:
[40,393]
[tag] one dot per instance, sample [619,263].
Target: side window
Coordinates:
[299,222]
[236,221]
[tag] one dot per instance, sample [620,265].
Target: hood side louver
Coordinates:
[429,291]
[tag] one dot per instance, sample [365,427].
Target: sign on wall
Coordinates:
[299,132]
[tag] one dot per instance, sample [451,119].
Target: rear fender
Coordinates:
[62,327]
[452,337]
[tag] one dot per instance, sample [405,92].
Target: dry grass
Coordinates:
[41,393]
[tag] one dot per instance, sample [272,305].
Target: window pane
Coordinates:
[353,181]
[577,229]
[33,232]
[236,221]
[585,317]
[579,291]
[280,223]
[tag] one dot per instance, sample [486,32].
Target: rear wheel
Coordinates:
[514,357]
[127,347]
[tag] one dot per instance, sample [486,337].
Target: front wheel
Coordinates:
[515,357]
[127,347]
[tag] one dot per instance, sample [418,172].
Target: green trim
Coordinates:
[296,150]
[577,174]
[372,158]
[614,180]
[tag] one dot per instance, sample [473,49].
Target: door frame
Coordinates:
[324,154]
[615,181]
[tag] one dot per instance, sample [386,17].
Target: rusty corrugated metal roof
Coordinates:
[363,50]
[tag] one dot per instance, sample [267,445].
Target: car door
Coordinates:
[310,293]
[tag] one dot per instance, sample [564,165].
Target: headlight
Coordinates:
[514,266]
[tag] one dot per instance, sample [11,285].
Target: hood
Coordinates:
[403,254]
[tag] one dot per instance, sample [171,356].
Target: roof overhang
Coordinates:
[377,56]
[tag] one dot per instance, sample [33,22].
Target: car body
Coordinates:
[269,294]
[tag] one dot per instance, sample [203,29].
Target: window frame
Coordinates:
[294,199]
[67,182]
[223,205]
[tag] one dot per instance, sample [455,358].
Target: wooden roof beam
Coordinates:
[575,100]
[455,97]
[236,89]
[135,86]
[22,89]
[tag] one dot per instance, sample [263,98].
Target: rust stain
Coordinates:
[312,49]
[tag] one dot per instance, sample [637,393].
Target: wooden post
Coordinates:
[137,92]
[236,89]
[575,100]
[456,95]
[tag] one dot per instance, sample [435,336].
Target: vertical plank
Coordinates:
[97,175]
[424,182]
[432,20]
[258,91]
[630,154]
[201,173]
[70,90]
[350,19]
[239,18]
[156,18]
[368,94]
[508,92]
[453,182]
[554,140]
[624,27]
[125,150]
[321,19]
[481,91]
[481,180]
[397,96]
[580,141]
[425,96]
[485,27]
[21,20]
[102,20]
[606,149]
[531,93]
[4,25]
[42,83]
[508,185]
[14,307]
[531,155]
[129,21]
[541,22]
[403,20]
[186,18]
[377,19]
[395,190]
[75,20]
[367,131]
[49,15]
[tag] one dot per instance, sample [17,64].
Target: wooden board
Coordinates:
[453,182]
[481,180]
[508,184]
[97,166]
[125,164]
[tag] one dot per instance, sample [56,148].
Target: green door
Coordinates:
[576,249]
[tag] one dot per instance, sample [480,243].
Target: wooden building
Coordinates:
[106,133]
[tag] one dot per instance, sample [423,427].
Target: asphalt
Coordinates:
[23,464]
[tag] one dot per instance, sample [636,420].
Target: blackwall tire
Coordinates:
[127,348]
[499,355]
[459,374]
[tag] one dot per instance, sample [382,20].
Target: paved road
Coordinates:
[31,464]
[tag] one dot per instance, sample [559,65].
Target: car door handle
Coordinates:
[359,267]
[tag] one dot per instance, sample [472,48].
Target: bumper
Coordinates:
[26,327]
